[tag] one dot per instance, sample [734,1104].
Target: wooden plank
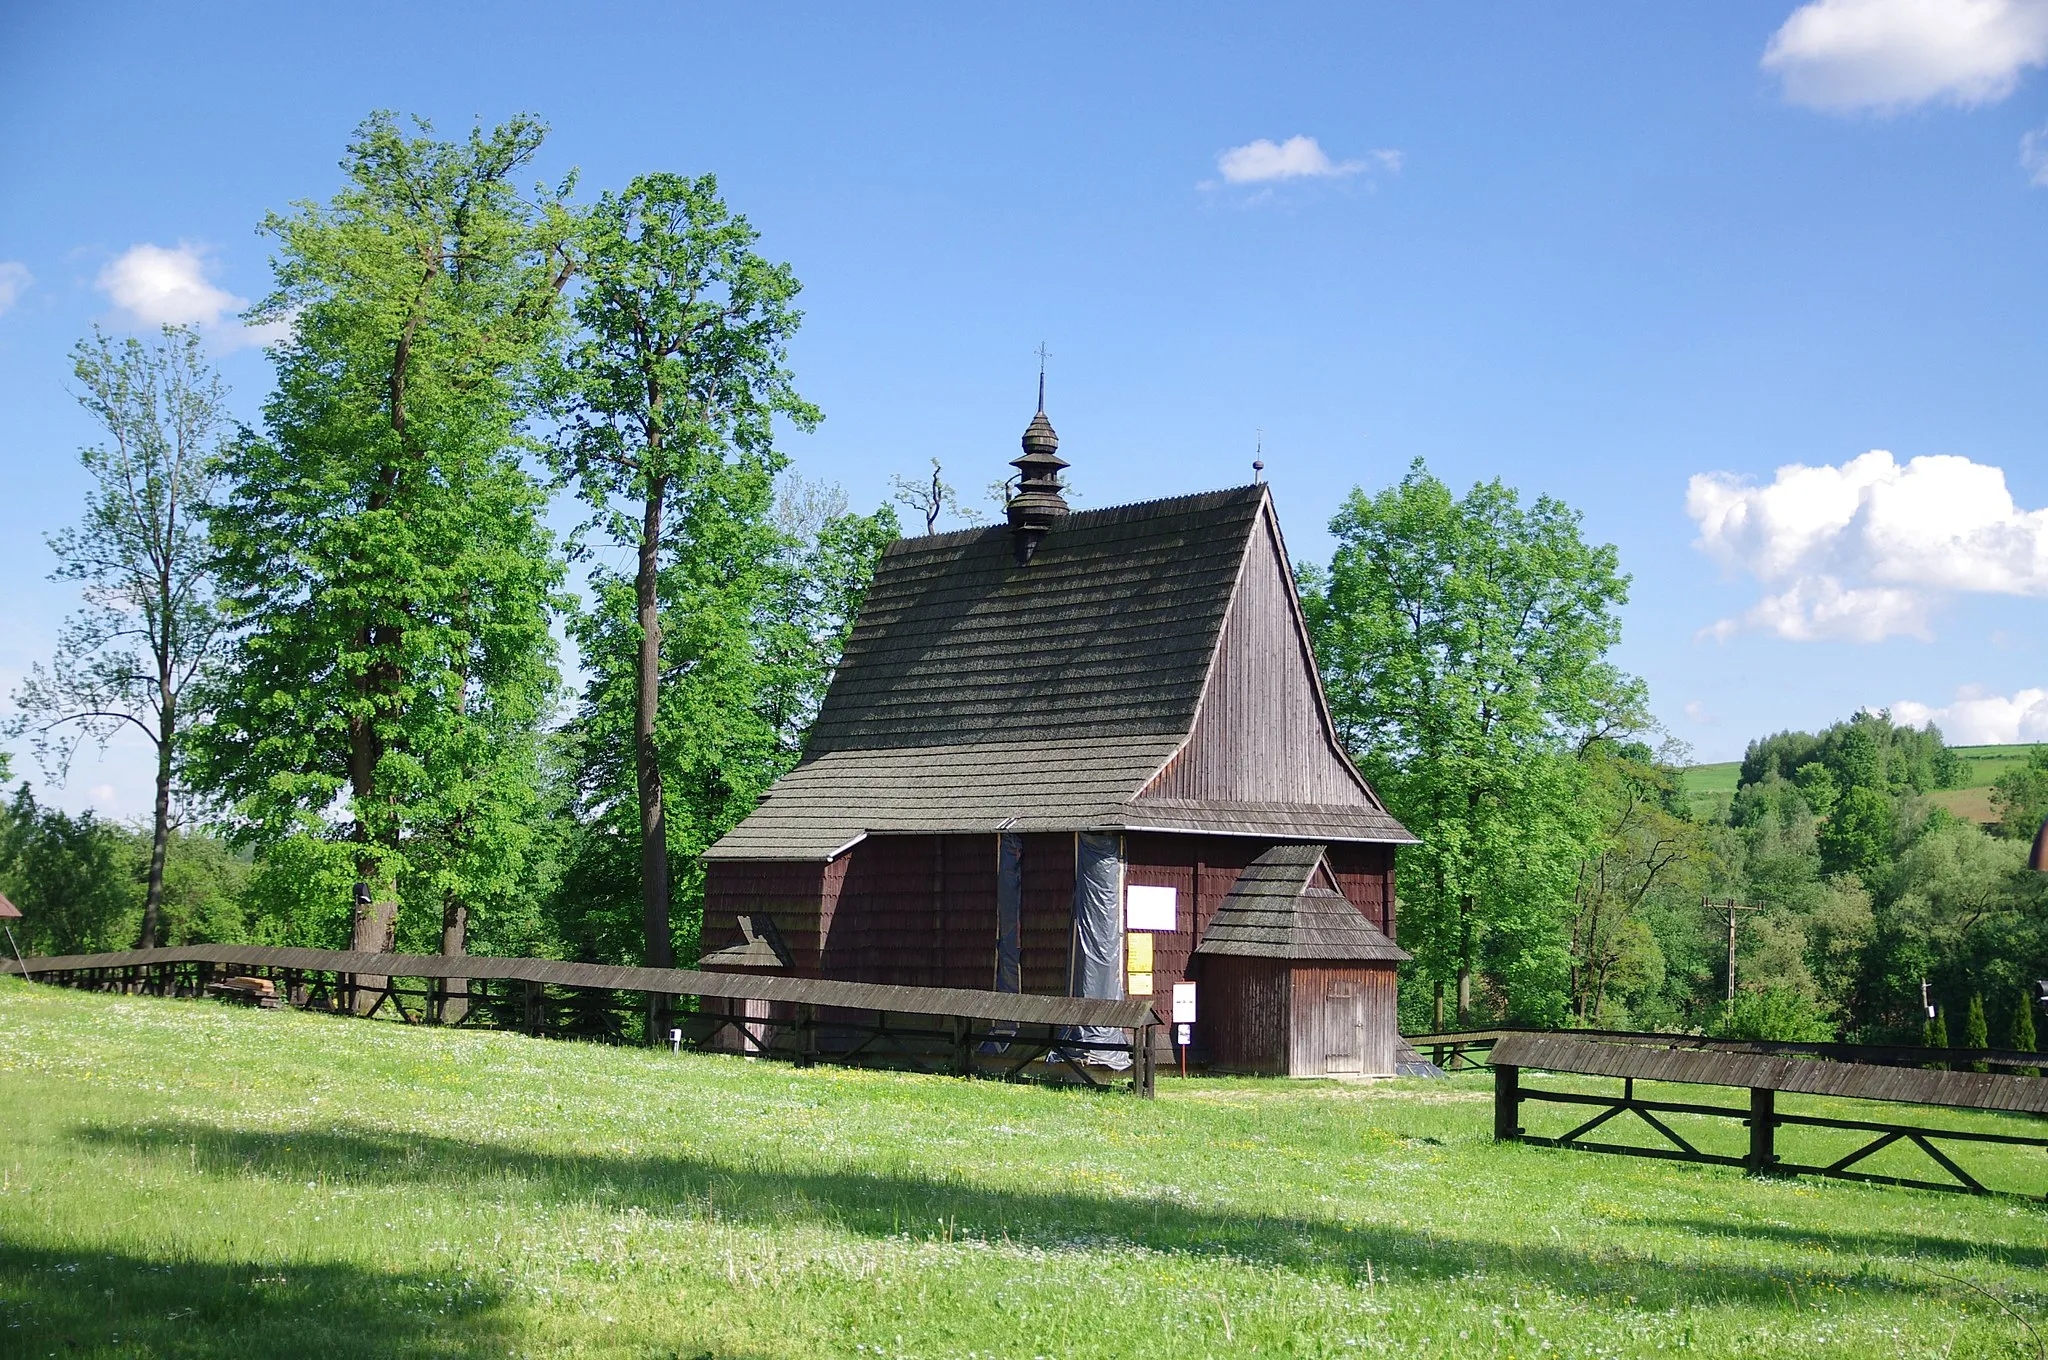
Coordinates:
[934,1001]
[1964,1090]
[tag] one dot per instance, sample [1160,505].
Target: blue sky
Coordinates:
[1637,257]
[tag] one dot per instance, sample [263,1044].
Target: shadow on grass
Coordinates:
[73,1303]
[921,1207]
[86,1302]
[1861,1243]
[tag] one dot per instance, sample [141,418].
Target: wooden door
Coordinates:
[1343,1026]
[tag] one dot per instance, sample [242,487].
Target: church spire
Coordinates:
[1037,505]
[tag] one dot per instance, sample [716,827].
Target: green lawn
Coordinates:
[185,1179]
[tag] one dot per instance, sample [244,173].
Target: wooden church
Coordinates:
[1085,753]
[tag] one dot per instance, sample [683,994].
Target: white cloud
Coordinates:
[1263,161]
[2034,156]
[14,281]
[166,286]
[1695,711]
[1977,718]
[154,285]
[1887,55]
[1869,549]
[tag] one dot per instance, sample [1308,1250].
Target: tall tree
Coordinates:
[1463,645]
[2021,796]
[668,399]
[1644,846]
[150,623]
[757,598]
[380,547]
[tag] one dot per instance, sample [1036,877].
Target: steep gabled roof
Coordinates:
[978,695]
[1286,905]
[1108,631]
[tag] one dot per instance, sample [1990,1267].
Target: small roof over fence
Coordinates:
[864,996]
[1858,1081]
[8,911]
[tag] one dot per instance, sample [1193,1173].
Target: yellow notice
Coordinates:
[1141,985]
[1140,948]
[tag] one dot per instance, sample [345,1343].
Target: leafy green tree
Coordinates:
[1857,838]
[1866,749]
[2021,797]
[1464,648]
[1645,847]
[756,605]
[298,892]
[1976,1033]
[150,625]
[1818,787]
[204,877]
[2020,1036]
[380,547]
[824,565]
[69,877]
[1935,1033]
[668,401]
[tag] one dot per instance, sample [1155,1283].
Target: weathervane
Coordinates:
[1258,455]
[1043,354]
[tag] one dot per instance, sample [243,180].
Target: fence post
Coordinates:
[1763,1127]
[1507,1104]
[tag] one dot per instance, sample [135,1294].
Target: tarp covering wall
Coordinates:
[1009,912]
[1096,967]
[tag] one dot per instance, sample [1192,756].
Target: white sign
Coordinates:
[1183,1034]
[1150,908]
[1184,1004]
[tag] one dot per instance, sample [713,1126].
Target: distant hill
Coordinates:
[1971,801]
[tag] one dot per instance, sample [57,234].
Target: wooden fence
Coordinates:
[1763,1076]
[951,1030]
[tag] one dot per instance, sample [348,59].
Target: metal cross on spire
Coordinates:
[1043,355]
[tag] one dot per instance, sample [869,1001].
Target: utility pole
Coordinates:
[1731,906]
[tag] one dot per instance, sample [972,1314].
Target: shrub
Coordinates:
[1776,1013]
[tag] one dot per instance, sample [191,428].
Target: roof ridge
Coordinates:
[1082,519]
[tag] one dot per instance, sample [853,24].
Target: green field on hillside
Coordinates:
[185,1179]
[1971,800]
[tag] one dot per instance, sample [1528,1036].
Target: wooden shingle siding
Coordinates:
[1262,734]
[1243,1014]
[1166,862]
[1365,875]
[789,894]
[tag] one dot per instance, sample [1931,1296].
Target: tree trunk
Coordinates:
[160,834]
[454,944]
[647,762]
[1464,961]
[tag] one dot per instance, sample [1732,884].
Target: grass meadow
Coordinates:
[1707,785]
[179,1178]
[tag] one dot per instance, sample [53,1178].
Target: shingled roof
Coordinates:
[1286,905]
[977,694]
[1108,631]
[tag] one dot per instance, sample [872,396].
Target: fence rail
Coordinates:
[1463,1050]
[958,1031]
[1764,1076]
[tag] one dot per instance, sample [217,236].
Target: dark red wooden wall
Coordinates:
[921,910]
